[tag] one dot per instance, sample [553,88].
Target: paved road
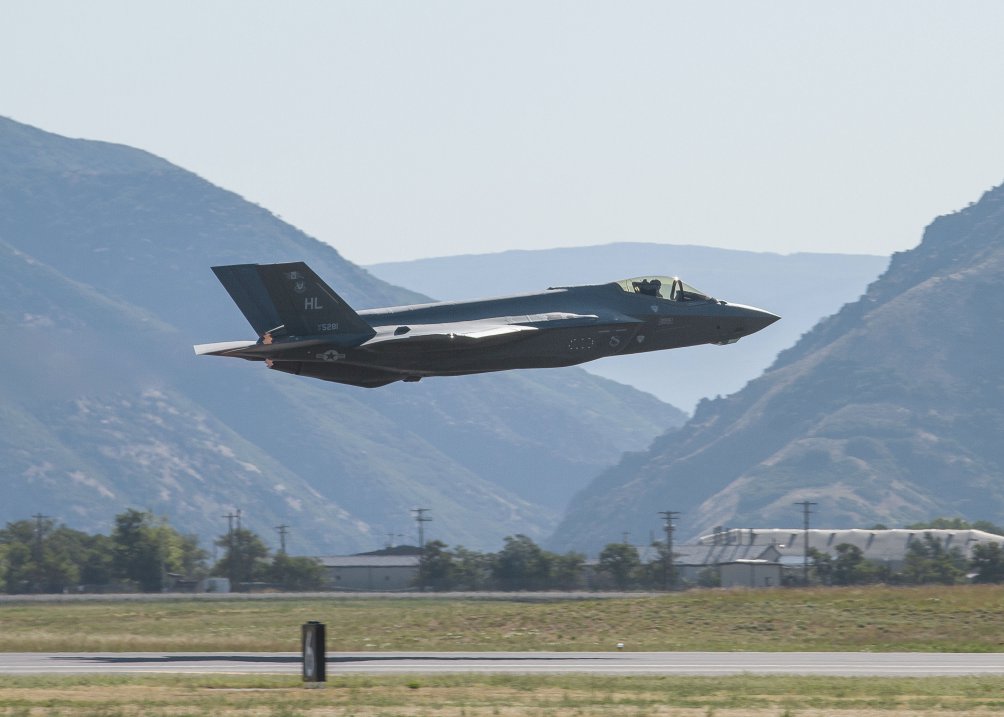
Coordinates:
[607,663]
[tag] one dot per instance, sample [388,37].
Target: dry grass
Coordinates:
[499,696]
[945,619]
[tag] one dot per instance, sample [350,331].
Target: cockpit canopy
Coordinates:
[663,287]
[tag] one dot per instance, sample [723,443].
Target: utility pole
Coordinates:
[230,526]
[231,553]
[421,520]
[283,531]
[626,538]
[806,511]
[669,576]
[39,529]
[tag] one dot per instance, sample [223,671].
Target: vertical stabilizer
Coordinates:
[286,300]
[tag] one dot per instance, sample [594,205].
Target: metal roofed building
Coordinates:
[884,546]
[690,559]
[371,572]
[758,557]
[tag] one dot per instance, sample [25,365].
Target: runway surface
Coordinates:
[606,663]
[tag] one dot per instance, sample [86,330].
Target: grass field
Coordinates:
[963,619]
[500,696]
[937,619]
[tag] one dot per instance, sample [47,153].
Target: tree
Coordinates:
[472,569]
[822,566]
[656,572]
[38,558]
[521,565]
[138,550]
[91,555]
[243,559]
[851,568]
[182,554]
[295,573]
[436,569]
[566,570]
[927,561]
[620,562]
[988,563]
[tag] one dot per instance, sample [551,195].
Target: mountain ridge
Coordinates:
[106,286]
[887,411]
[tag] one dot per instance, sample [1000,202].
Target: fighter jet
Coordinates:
[305,328]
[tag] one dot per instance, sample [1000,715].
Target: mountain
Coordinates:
[803,288]
[890,411]
[105,286]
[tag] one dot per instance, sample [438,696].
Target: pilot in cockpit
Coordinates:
[648,288]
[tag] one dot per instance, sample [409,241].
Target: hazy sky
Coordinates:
[397,130]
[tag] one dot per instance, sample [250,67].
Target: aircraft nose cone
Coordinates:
[756,319]
[748,320]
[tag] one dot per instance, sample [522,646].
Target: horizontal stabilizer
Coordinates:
[221,347]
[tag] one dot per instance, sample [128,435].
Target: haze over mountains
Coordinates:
[105,285]
[802,288]
[890,411]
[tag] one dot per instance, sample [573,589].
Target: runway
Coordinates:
[834,664]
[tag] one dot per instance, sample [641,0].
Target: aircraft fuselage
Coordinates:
[557,327]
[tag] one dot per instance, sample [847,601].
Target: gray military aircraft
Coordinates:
[305,328]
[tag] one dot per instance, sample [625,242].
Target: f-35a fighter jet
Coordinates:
[305,328]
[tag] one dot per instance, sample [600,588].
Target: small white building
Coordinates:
[750,574]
